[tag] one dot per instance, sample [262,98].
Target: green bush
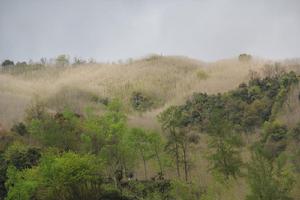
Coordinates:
[140,101]
[3,176]
[19,128]
[61,130]
[248,106]
[185,191]
[150,189]
[274,139]
[69,176]
[22,156]
[202,75]
[268,179]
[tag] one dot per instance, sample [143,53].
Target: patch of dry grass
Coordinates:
[168,79]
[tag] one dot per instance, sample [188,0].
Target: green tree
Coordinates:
[6,63]
[140,141]
[61,130]
[268,179]
[157,145]
[179,135]
[170,121]
[17,157]
[22,156]
[186,191]
[295,136]
[105,136]
[186,139]
[225,143]
[274,139]
[67,176]
[3,176]
[62,60]
[21,185]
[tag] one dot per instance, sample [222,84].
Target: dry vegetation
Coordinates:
[167,79]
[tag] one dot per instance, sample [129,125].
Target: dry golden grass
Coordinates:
[168,79]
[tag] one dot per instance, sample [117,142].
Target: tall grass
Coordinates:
[168,79]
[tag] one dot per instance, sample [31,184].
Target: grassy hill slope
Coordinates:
[166,80]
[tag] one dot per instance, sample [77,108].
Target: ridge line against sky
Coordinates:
[112,30]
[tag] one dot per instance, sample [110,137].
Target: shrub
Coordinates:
[245,57]
[269,179]
[295,136]
[140,101]
[61,130]
[185,191]
[275,139]
[3,176]
[295,132]
[21,184]
[248,106]
[22,156]
[202,75]
[102,100]
[150,189]
[62,60]
[19,128]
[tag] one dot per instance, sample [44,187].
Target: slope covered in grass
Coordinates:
[165,80]
[213,116]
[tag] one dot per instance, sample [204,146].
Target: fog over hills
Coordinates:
[149,100]
[113,30]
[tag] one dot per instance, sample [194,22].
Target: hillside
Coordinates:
[167,80]
[194,129]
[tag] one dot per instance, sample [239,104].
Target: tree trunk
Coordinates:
[145,167]
[177,159]
[185,162]
[159,162]
[176,152]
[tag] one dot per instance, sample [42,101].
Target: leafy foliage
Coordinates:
[269,179]
[68,176]
[20,129]
[275,139]
[18,156]
[22,156]
[7,63]
[62,60]
[97,156]
[61,130]
[3,176]
[180,138]
[140,101]
[225,157]
[247,107]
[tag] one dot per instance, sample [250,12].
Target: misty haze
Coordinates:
[149,100]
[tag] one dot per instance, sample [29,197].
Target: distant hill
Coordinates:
[164,80]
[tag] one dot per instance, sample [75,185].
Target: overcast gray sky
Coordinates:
[109,30]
